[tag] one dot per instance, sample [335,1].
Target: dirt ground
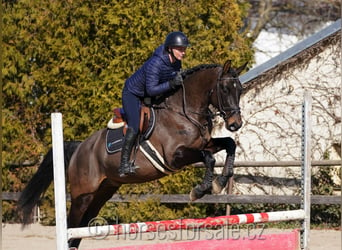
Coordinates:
[40,237]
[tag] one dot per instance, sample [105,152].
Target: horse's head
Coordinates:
[227,98]
[209,84]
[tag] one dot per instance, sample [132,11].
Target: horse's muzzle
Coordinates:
[234,122]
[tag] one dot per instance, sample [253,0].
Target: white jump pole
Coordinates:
[306,169]
[59,181]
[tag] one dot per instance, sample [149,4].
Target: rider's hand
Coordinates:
[177,81]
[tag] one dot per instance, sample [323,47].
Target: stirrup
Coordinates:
[128,170]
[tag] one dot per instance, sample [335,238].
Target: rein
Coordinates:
[222,110]
[184,112]
[192,120]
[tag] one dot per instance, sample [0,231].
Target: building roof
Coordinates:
[300,52]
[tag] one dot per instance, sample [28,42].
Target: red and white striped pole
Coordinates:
[169,225]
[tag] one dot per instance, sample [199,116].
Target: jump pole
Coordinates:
[306,169]
[59,181]
[169,225]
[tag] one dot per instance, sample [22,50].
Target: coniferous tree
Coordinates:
[73,56]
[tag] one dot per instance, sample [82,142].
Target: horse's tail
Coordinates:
[40,182]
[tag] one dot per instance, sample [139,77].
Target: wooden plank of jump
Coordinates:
[324,163]
[230,199]
[210,199]
[248,164]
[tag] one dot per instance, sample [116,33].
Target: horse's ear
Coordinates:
[226,67]
[241,68]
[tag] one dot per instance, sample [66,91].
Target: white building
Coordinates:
[272,112]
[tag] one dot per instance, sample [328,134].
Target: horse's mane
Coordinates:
[185,74]
[200,67]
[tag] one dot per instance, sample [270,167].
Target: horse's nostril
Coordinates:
[234,126]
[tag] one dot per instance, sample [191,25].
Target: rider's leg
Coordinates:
[129,142]
[131,106]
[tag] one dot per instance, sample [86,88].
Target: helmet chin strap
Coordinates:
[172,55]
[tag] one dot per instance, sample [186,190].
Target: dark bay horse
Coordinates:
[181,136]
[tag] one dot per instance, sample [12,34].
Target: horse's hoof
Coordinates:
[196,194]
[217,186]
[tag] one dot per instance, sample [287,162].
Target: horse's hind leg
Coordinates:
[205,187]
[87,206]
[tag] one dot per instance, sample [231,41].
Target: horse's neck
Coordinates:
[195,94]
[198,88]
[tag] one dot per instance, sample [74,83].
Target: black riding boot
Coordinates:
[125,166]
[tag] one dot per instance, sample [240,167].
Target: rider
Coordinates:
[158,75]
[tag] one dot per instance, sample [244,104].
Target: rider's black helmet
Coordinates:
[176,38]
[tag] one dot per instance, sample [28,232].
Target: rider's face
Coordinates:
[179,52]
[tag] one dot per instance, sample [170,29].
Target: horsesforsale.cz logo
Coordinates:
[98,228]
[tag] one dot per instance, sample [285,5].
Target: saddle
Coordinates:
[119,119]
[116,127]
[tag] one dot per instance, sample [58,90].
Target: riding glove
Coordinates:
[177,81]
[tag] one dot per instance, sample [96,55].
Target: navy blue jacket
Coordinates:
[152,78]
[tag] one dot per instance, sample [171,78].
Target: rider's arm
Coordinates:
[153,74]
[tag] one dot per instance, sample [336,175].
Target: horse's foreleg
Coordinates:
[205,187]
[220,182]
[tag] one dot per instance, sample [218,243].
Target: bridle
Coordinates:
[224,109]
